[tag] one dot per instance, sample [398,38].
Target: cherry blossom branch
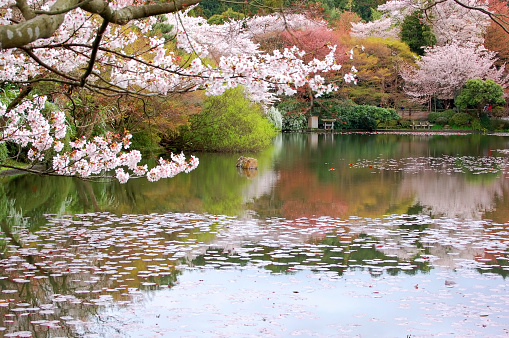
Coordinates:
[48,67]
[493,16]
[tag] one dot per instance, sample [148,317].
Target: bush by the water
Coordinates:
[3,152]
[294,122]
[362,117]
[441,118]
[228,123]
[461,119]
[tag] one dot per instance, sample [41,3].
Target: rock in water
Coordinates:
[247,163]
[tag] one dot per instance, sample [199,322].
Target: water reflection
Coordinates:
[367,216]
[302,175]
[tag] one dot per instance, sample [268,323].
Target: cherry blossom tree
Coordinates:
[452,21]
[384,28]
[444,70]
[107,48]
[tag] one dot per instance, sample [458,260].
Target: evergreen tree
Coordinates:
[416,34]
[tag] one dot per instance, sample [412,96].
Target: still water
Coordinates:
[334,235]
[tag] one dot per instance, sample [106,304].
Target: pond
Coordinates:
[339,235]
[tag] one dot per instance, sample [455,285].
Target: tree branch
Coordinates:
[93,54]
[19,98]
[124,15]
[51,69]
[38,27]
[26,11]
[62,11]
[494,17]
[44,25]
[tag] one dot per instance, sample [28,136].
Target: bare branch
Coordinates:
[62,11]
[93,55]
[124,15]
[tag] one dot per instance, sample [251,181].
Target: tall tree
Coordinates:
[496,38]
[416,34]
[443,70]
[478,94]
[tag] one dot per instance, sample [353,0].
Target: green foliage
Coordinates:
[275,117]
[375,14]
[362,117]
[378,72]
[164,29]
[3,151]
[289,105]
[294,121]
[7,95]
[477,93]
[146,140]
[461,119]
[228,123]
[365,8]
[500,124]
[416,34]
[441,118]
[441,121]
[219,19]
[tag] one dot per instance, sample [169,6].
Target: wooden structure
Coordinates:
[328,123]
[420,124]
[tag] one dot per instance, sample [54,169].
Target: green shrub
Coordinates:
[448,113]
[433,116]
[363,117]
[500,124]
[444,115]
[290,105]
[228,123]
[294,122]
[461,119]
[145,140]
[476,124]
[3,152]
[498,111]
[486,122]
[441,120]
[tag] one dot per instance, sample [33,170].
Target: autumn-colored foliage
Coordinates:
[344,24]
[496,38]
[315,42]
[378,62]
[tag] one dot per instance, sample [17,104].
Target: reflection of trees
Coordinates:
[331,253]
[60,280]
[318,180]
[453,195]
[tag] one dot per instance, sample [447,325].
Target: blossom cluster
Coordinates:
[26,126]
[443,70]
